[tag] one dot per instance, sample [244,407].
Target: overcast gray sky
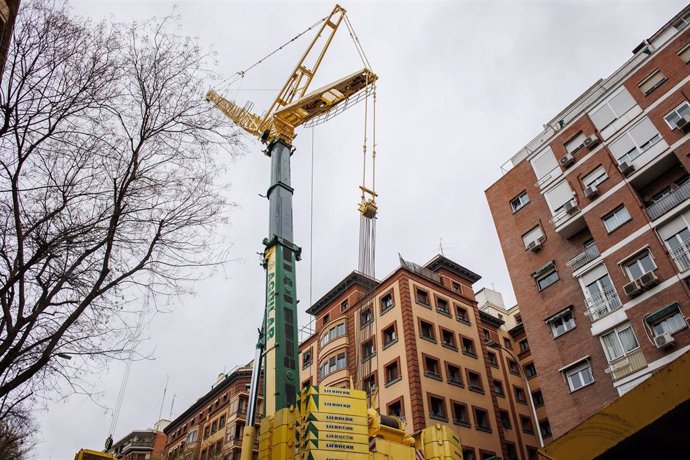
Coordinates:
[463,86]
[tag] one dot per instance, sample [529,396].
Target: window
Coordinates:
[493,360]
[652,82]
[677,113]
[468,347]
[459,413]
[596,177]
[192,436]
[474,381]
[221,422]
[422,297]
[641,264]
[519,201]
[214,426]
[530,370]
[635,142]
[306,358]
[613,109]
[558,196]
[386,302]
[545,166]
[333,364]
[575,143]
[456,287]
[390,335]
[601,295]
[534,235]
[448,339]
[481,419]
[437,408]
[392,372]
[461,314]
[368,349]
[370,384]
[520,395]
[442,306]
[426,331]
[468,453]
[669,319]
[684,53]
[395,409]
[506,343]
[207,431]
[579,375]
[524,345]
[332,334]
[545,428]
[513,367]
[511,452]
[326,319]
[547,279]
[561,322]
[678,243]
[344,306]
[616,218]
[432,368]
[498,388]
[365,317]
[486,334]
[526,423]
[619,342]
[538,398]
[453,374]
[532,453]
[505,419]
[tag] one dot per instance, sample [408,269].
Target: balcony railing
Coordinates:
[583,258]
[626,365]
[669,202]
[681,256]
[601,305]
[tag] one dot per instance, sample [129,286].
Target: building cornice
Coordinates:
[442,262]
[353,279]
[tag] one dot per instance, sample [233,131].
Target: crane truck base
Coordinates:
[335,424]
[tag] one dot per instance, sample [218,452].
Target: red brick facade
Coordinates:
[655,199]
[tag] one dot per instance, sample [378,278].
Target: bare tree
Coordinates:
[109,187]
[16,435]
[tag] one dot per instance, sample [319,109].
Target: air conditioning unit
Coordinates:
[663,340]
[591,142]
[632,289]
[684,123]
[567,160]
[591,191]
[535,246]
[571,207]
[648,280]
[626,169]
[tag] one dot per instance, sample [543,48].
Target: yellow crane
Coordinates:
[317,422]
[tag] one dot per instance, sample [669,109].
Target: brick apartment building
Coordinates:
[594,223]
[212,428]
[142,444]
[417,342]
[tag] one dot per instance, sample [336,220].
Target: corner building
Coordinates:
[416,342]
[593,216]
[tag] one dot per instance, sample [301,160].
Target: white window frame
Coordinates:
[682,51]
[574,144]
[527,238]
[676,112]
[616,333]
[522,199]
[596,177]
[192,434]
[577,369]
[636,260]
[559,317]
[618,219]
[683,322]
[555,200]
[610,107]
[546,275]
[638,149]
[339,363]
[333,332]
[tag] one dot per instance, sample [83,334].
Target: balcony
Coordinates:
[583,258]
[669,202]
[601,305]
[626,365]
[681,256]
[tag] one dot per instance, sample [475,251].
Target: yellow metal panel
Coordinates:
[387,449]
[334,405]
[440,433]
[333,391]
[332,455]
[270,369]
[658,395]
[337,436]
[357,420]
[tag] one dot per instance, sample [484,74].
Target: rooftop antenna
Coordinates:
[171,405]
[165,390]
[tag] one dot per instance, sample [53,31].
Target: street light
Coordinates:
[494,344]
[63,355]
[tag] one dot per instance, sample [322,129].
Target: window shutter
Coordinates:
[622,102]
[575,142]
[544,163]
[651,82]
[621,146]
[643,132]
[602,117]
[684,53]
[558,196]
